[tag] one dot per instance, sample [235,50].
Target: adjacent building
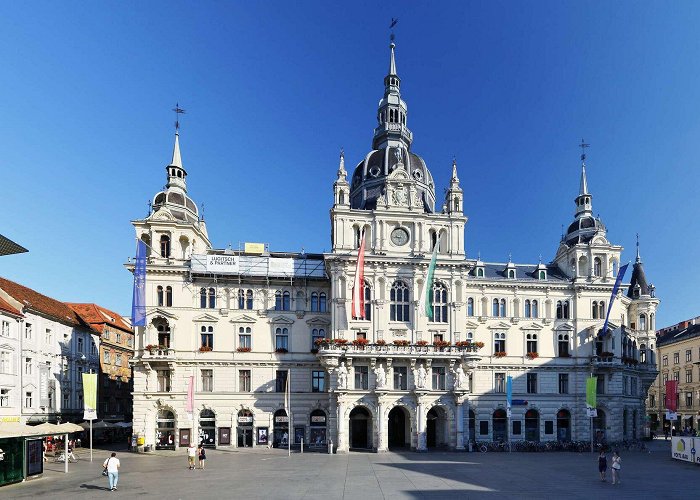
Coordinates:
[678,357]
[44,349]
[241,328]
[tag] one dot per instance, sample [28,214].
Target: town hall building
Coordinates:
[248,326]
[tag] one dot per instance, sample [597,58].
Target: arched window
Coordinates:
[532,425]
[147,240]
[368,300]
[163,334]
[439,303]
[511,273]
[159,294]
[528,308]
[212,298]
[322,302]
[601,309]
[480,272]
[282,301]
[165,246]
[562,309]
[282,339]
[543,275]
[535,312]
[595,310]
[169,296]
[563,345]
[203,298]
[494,311]
[245,299]
[314,302]
[399,302]
[642,321]
[341,198]
[503,308]
[597,267]
[567,313]
[358,237]
[470,307]
[499,342]
[207,333]
[469,336]
[433,239]
[642,353]
[531,343]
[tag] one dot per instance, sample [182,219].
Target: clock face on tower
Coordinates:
[399,236]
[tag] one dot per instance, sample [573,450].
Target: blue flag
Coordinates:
[620,275]
[138,304]
[509,391]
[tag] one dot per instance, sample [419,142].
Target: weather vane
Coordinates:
[391,27]
[178,111]
[583,147]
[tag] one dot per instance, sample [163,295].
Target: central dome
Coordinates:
[369,177]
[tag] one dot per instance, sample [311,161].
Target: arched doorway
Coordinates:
[563,425]
[472,427]
[281,429]
[599,426]
[317,425]
[532,425]
[399,426]
[634,424]
[500,425]
[165,430]
[360,428]
[436,427]
[244,430]
[207,429]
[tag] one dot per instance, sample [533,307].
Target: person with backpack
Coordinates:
[111,466]
[202,456]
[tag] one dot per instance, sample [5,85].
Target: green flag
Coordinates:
[425,306]
[591,386]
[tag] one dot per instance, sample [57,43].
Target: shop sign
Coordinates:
[680,448]
[223,263]
[9,419]
[281,419]
[245,420]
[318,419]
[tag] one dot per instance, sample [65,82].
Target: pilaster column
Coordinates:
[459,401]
[382,424]
[343,446]
[421,415]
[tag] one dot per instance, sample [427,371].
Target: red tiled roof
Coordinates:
[98,317]
[38,302]
[5,306]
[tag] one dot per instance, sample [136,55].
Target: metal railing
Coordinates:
[397,349]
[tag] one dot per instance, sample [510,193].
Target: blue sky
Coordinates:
[273,90]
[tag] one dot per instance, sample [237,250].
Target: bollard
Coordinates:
[302,446]
[330,446]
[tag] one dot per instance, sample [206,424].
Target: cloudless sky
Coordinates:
[273,90]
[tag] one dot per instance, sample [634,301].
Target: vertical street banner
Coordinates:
[358,295]
[509,391]
[671,395]
[425,307]
[591,391]
[616,286]
[138,303]
[90,396]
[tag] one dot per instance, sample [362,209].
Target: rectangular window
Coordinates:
[676,358]
[105,356]
[532,383]
[27,399]
[499,342]
[163,377]
[93,348]
[688,376]
[517,427]
[66,400]
[281,381]
[244,380]
[362,377]
[318,381]
[483,427]
[400,378]
[665,377]
[664,361]
[4,397]
[600,386]
[118,361]
[119,338]
[438,378]
[634,386]
[500,382]
[245,339]
[549,426]
[676,376]
[80,344]
[207,380]
[282,339]
[28,366]
[689,399]
[5,362]
[563,383]
[48,336]
[688,355]
[531,343]
[28,331]
[652,400]
[5,330]
[624,384]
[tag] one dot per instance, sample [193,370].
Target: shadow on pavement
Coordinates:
[94,487]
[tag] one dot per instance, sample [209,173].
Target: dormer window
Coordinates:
[511,273]
[479,272]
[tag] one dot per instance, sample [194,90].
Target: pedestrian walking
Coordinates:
[616,465]
[602,464]
[191,453]
[202,456]
[111,465]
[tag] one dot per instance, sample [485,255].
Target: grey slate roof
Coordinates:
[523,272]
[677,335]
[638,277]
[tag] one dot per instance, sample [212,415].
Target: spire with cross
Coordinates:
[178,111]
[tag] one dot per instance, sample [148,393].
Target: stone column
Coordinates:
[421,415]
[343,445]
[382,424]
[459,401]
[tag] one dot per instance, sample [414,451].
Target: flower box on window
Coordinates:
[401,342]
[322,342]
[463,343]
[360,342]
[422,342]
[381,342]
[479,344]
[151,347]
[205,348]
[532,355]
[441,343]
[281,350]
[243,349]
[501,354]
[340,341]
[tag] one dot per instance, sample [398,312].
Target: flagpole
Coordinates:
[288,401]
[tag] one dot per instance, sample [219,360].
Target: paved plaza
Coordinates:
[270,474]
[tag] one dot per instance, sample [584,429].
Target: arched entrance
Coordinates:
[436,427]
[244,430]
[281,429]
[399,428]
[165,430]
[317,424]
[207,429]
[500,425]
[599,426]
[532,425]
[360,428]
[563,425]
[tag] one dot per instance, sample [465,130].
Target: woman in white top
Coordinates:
[112,467]
[616,465]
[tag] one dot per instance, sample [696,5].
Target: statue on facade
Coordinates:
[380,373]
[461,378]
[342,376]
[421,376]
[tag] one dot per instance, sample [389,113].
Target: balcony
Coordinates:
[398,351]
[158,353]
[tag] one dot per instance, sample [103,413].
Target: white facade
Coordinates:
[399,379]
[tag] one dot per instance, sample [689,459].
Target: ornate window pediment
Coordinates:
[532,326]
[161,312]
[318,322]
[243,318]
[501,325]
[281,320]
[208,318]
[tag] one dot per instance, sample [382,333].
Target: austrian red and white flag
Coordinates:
[358,297]
[671,395]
